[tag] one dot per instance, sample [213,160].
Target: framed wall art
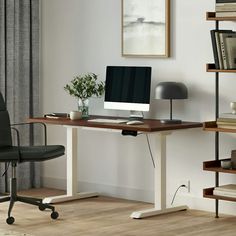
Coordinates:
[146,28]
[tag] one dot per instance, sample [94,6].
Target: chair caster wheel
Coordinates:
[10,220]
[42,207]
[54,215]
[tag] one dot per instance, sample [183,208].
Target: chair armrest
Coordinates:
[18,142]
[29,123]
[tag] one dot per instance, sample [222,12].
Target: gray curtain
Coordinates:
[19,76]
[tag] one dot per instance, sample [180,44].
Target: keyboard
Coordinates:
[115,121]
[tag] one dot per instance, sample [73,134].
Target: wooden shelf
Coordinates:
[208,193]
[211,16]
[211,68]
[215,167]
[212,126]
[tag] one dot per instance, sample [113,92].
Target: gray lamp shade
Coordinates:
[171,90]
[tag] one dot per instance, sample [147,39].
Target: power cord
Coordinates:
[149,147]
[181,186]
[151,155]
[6,169]
[124,132]
[150,151]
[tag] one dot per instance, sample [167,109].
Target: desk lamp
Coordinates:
[171,90]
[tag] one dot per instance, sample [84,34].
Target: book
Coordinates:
[227,125]
[228,120]
[225,1]
[224,194]
[52,117]
[225,6]
[220,60]
[215,50]
[231,51]
[216,47]
[223,46]
[227,115]
[222,126]
[226,14]
[227,188]
[56,115]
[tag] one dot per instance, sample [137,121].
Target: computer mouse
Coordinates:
[134,122]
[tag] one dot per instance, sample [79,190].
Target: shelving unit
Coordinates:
[214,165]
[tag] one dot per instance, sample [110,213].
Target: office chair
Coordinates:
[17,154]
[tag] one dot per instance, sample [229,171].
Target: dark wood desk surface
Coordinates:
[150,125]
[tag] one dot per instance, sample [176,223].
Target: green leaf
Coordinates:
[85,86]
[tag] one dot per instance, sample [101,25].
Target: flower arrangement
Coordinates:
[84,87]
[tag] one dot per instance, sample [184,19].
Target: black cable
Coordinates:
[150,151]
[6,168]
[149,147]
[181,186]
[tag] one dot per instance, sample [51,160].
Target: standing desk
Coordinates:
[149,126]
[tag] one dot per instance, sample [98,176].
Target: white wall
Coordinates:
[85,36]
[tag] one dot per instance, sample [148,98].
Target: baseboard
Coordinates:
[103,189]
[193,202]
[48,182]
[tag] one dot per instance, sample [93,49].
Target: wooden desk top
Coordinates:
[150,125]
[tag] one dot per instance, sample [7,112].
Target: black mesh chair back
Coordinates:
[5,129]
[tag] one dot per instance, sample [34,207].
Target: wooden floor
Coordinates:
[103,216]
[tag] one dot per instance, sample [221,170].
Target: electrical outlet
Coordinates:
[186,183]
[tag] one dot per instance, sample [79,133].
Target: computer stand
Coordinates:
[136,115]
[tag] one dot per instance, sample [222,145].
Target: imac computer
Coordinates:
[128,88]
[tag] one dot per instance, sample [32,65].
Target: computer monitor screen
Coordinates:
[128,88]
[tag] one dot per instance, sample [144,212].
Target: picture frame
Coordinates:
[145,28]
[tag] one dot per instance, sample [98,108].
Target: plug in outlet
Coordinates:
[186,183]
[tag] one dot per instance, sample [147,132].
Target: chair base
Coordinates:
[13,197]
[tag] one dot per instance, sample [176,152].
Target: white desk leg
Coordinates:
[71,171]
[160,183]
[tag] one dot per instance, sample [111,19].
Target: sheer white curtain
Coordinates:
[19,76]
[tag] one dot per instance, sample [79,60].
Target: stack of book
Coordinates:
[225,8]
[224,49]
[228,190]
[226,121]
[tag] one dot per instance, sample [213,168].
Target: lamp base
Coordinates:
[171,121]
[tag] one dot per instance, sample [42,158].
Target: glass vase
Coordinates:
[83,106]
